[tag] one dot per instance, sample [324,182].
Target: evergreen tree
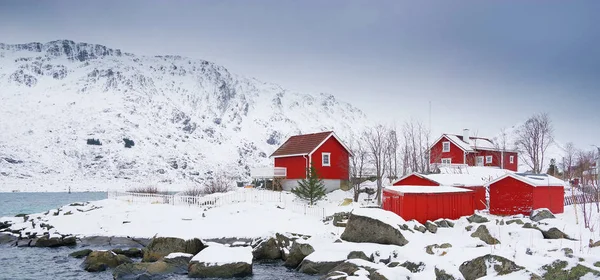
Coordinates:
[312,188]
[552,169]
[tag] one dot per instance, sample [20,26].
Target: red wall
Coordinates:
[414,180]
[496,159]
[296,166]
[424,207]
[511,197]
[339,160]
[552,198]
[479,197]
[455,153]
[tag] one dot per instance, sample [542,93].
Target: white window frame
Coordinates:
[323,156]
[488,159]
[444,150]
[447,161]
[512,159]
[477,160]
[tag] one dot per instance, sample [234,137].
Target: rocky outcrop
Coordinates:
[230,270]
[101,260]
[371,230]
[539,215]
[172,264]
[557,270]
[80,254]
[6,238]
[318,268]
[298,252]
[358,255]
[554,233]
[130,253]
[420,229]
[484,234]
[441,274]
[444,223]
[478,267]
[431,227]
[266,249]
[162,246]
[46,241]
[218,261]
[477,219]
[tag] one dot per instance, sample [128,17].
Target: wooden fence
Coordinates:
[580,198]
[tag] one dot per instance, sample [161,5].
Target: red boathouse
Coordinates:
[514,194]
[428,203]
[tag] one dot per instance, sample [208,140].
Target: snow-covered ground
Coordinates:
[526,247]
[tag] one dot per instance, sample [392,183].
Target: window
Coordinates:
[325,159]
[488,159]
[446,161]
[512,159]
[445,147]
[479,161]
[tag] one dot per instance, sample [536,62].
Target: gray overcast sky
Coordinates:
[483,65]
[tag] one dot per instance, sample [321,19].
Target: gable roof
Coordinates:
[426,189]
[305,144]
[414,174]
[467,180]
[535,180]
[475,143]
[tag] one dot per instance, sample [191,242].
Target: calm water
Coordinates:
[54,263]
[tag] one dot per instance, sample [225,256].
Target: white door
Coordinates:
[479,161]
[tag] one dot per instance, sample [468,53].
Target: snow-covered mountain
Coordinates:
[187,118]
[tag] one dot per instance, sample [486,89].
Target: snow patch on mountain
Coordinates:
[188,118]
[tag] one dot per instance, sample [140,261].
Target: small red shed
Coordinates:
[424,203]
[516,193]
[466,181]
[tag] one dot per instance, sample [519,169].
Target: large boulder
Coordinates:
[46,241]
[478,267]
[441,274]
[554,233]
[217,261]
[175,263]
[162,246]
[431,227]
[298,252]
[317,267]
[484,234]
[266,249]
[541,214]
[374,226]
[6,238]
[80,254]
[101,260]
[477,219]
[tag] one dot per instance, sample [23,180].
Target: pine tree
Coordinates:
[552,169]
[311,188]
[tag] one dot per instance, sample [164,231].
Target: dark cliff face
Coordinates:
[66,48]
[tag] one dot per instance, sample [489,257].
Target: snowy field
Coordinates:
[525,246]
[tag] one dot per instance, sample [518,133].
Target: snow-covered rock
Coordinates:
[183,120]
[374,226]
[220,261]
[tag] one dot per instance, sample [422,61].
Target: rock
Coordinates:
[95,241]
[469,228]
[162,246]
[25,242]
[76,204]
[441,274]
[413,267]
[130,253]
[539,215]
[266,249]
[431,227]
[339,219]
[45,241]
[298,252]
[358,255]
[557,271]
[554,233]
[80,254]
[568,252]
[221,262]
[343,269]
[101,260]
[478,267]
[477,219]
[597,264]
[153,270]
[6,238]
[370,230]
[517,221]
[529,225]
[592,243]
[317,268]
[484,234]
[446,245]
[501,222]
[4,225]
[406,228]
[444,223]
[179,261]
[126,242]
[283,243]
[421,229]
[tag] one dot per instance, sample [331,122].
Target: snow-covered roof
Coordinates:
[468,180]
[426,189]
[536,180]
[458,142]
[485,173]
[475,143]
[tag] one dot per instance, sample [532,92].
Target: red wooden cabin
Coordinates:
[466,181]
[427,203]
[514,194]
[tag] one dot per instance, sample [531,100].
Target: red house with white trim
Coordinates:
[473,151]
[465,181]
[324,150]
[516,193]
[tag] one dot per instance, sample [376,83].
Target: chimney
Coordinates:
[466,136]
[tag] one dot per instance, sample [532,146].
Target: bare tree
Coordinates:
[376,141]
[357,165]
[569,160]
[393,152]
[415,149]
[501,144]
[533,139]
